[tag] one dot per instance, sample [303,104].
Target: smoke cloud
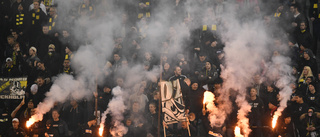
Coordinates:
[64,87]
[246,49]
[281,71]
[116,108]
[241,66]
[246,46]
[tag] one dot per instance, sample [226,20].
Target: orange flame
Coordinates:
[204,98]
[101,129]
[237,132]
[274,121]
[208,97]
[30,122]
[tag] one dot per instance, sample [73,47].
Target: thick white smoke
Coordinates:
[96,38]
[87,62]
[63,88]
[245,48]
[116,108]
[279,71]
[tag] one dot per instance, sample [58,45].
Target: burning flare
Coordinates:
[30,122]
[101,129]
[207,97]
[274,120]
[237,132]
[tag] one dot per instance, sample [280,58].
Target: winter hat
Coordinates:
[8,59]
[313,109]
[34,49]
[15,120]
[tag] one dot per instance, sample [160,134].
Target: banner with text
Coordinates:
[12,88]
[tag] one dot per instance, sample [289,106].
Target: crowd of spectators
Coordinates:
[36,41]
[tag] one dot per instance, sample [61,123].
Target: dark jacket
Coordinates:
[61,126]
[208,76]
[304,38]
[15,132]
[43,41]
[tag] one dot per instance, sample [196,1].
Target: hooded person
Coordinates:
[313,96]
[310,121]
[52,59]
[309,60]
[309,52]
[104,96]
[286,128]
[196,96]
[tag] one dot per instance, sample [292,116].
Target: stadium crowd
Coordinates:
[37,42]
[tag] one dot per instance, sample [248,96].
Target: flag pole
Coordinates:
[187,119]
[159,109]
[164,131]
[95,93]
[188,126]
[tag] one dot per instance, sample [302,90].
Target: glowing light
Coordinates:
[237,132]
[274,121]
[207,97]
[30,122]
[101,129]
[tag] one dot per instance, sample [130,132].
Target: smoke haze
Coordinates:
[246,40]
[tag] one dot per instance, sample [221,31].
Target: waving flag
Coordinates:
[173,107]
